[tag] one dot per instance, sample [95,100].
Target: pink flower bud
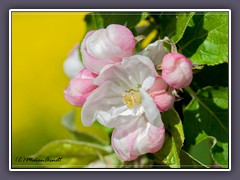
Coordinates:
[137,139]
[106,46]
[80,87]
[164,101]
[176,70]
[163,98]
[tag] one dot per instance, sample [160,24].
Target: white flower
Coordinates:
[122,102]
[155,51]
[73,65]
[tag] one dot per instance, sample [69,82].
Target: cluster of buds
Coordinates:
[125,91]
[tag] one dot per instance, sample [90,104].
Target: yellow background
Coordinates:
[40,43]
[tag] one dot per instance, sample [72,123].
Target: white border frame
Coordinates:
[110,10]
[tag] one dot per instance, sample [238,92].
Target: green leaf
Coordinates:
[71,148]
[220,153]
[166,23]
[141,162]
[174,137]
[108,161]
[68,122]
[187,161]
[201,152]
[82,162]
[207,41]
[94,21]
[182,23]
[206,116]
[70,152]
[144,15]
[219,76]
[128,19]
[172,24]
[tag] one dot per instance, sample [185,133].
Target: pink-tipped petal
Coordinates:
[92,63]
[122,37]
[106,46]
[164,101]
[137,138]
[159,86]
[162,94]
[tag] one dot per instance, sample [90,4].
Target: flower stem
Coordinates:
[191,92]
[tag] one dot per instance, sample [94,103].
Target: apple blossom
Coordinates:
[176,70]
[106,46]
[122,102]
[80,87]
[73,65]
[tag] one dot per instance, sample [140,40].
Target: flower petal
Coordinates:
[137,138]
[73,65]
[150,108]
[155,51]
[99,46]
[106,105]
[151,139]
[122,37]
[115,73]
[139,67]
[164,101]
[90,62]
[128,74]
[148,82]
[106,46]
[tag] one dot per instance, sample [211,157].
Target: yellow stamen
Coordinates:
[132,97]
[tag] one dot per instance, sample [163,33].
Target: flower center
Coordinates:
[132,97]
